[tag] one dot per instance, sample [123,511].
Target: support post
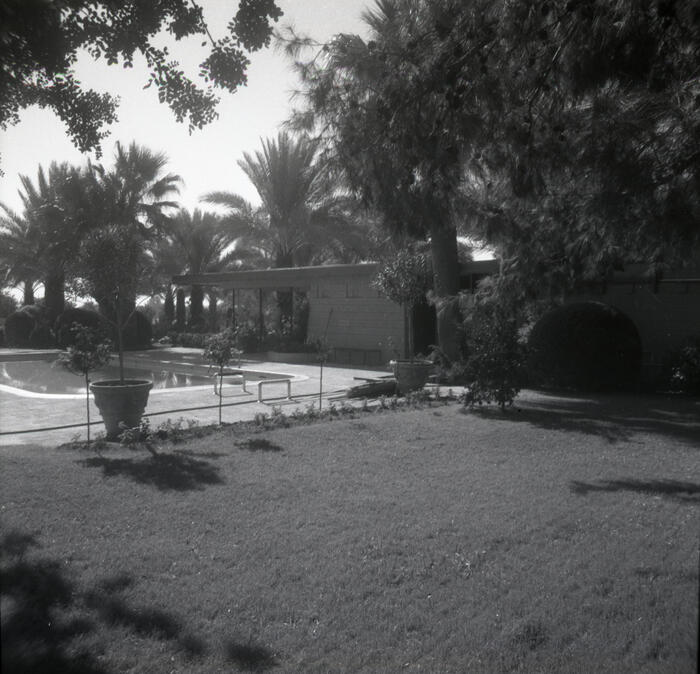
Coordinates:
[261,321]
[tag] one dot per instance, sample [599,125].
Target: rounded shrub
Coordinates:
[586,346]
[20,326]
[137,332]
[685,369]
[86,317]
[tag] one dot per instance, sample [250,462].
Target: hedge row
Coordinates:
[29,328]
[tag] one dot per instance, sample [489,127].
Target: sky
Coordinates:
[207,159]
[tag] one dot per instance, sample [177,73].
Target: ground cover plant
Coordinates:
[560,536]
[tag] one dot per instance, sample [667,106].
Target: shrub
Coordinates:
[496,358]
[63,328]
[247,337]
[685,372]
[8,305]
[137,331]
[192,340]
[586,346]
[20,325]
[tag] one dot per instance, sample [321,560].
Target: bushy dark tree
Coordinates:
[495,352]
[40,41]
[564,134]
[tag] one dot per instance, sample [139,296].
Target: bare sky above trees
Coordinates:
[207,159]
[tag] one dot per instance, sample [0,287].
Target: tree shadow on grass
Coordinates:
[259,445]
[685,492]
[144,621]
[167,472]
[615,418]
[250,657]
[36,636]
[44,612]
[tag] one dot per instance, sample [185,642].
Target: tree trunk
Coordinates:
[180,310]
[54,297]
[444,253]
[169,306]
[213,317]
[285,298]
[28,293]
[197,308]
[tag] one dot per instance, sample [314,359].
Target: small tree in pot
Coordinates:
[112,261]
[126,206]
[404,279]
[87,351]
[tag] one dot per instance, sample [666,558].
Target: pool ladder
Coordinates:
[239,379]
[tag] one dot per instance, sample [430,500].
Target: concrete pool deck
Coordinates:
[34,412]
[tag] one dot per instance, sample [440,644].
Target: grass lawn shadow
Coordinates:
[259,445]
[45,612]
[36,636]
[144,621]
[250,657]
[685,492]
[615,418]
[167,472]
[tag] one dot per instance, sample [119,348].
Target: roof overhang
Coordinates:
[285,277]
[303,277]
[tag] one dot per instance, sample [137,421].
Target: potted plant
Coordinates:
[87,351]
[126,208]
[404,279]
[220,350]
[112,261]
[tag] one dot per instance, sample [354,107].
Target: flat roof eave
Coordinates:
[283,277]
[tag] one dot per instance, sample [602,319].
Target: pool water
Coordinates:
[43,377]
[51,378]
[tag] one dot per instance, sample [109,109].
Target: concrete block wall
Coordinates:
[358,322]
[665,316]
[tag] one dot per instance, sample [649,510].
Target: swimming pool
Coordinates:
[41,378]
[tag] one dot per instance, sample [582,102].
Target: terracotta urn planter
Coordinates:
[411,375]
[121,402]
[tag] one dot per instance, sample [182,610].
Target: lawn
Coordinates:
[559,537]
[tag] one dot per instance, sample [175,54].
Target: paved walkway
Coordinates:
[36,411]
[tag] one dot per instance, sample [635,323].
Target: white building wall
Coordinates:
[361,327]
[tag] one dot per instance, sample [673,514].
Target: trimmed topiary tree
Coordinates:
[18,327]
[88,351]
[27,328]
[586,346]
[220,350]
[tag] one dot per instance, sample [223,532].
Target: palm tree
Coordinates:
[130,210]
[167,262]
[303,219]
[19,265]
[204,242]
[42,241]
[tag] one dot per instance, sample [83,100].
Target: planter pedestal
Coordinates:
[411,375]
[121,403]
